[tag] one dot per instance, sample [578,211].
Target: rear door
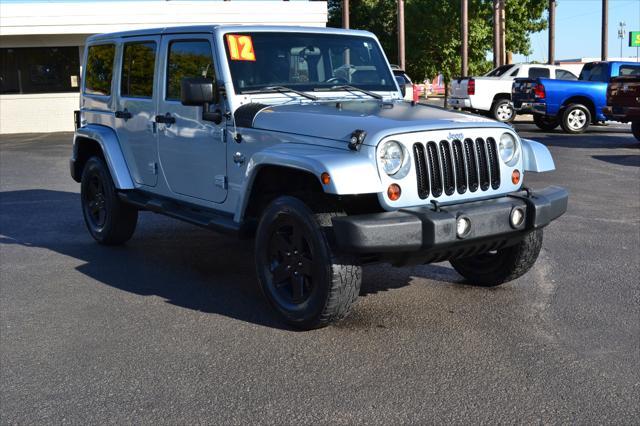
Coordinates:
[136,107]
[191,151]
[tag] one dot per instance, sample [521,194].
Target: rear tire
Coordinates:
[109,220]
[507,264]
[502,110]
[575,119]
[635,129]
[545,122]
[305,281]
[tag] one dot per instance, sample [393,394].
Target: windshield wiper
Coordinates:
[349,88]
[281,89]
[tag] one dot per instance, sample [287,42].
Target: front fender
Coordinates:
[108,141]
[536,157]
[352,172]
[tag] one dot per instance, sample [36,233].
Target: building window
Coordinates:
[99,69]
[138,64]
[191,58]
[39,70]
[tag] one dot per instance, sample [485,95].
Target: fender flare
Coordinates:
[351,172]
[110,146]
[536,157]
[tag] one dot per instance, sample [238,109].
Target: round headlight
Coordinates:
[508,147]
[391,157]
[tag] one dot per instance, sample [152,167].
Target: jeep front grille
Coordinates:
[447,167]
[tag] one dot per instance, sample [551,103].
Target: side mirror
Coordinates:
[402,83]
[201,91]
[197,91]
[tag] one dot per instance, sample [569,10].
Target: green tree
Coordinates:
[433,31]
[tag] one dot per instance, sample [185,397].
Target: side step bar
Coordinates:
[199,216]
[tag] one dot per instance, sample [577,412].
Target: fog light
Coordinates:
[463,226]
[394,191]
[517,217]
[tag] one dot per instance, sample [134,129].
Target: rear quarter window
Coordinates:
[538,72]
[99,69]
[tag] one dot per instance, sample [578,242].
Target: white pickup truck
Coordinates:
[491,93]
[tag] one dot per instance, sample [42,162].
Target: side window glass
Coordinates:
[188,58]
[514,72]
[138,64]
[99,69]
[538,72]
[630,70]
[565,75]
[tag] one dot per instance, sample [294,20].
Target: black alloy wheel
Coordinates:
[290,262]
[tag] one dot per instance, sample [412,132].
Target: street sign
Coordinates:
[634,38]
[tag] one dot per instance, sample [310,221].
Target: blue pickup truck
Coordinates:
[572,104]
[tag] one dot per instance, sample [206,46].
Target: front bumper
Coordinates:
[432,234]
[621,113]
[459,102]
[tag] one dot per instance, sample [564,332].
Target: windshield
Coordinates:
[306,62]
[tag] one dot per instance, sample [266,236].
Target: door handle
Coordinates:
[165,119]
[123,114]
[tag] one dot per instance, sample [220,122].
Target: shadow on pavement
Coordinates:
[621,160]
[183,264]
[586,140]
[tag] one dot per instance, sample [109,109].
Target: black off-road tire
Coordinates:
[499,111]
[545,122]
[109,220]
[635,129]
[570,114]
[291,235]
[493,269]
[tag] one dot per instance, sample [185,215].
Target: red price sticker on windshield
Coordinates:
[240,47]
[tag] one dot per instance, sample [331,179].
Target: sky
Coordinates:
[578,24]
[578,28]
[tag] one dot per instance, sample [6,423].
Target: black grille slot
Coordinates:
[434,169]
[458,161]
[422,172]
[483,164]
[447,168]
[472,168]
[492,150]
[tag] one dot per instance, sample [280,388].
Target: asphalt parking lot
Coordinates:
[171,328]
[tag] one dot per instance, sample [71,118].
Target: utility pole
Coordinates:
[496,34]
[401,60]
[552,31]
[503,36]
[345,13]
[621,33]
[464,14]
[605,29]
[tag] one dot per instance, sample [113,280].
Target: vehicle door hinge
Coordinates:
[221,181]
[153,168]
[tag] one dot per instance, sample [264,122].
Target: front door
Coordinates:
[136,107]
[191,150]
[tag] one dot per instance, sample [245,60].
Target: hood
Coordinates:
[337,120]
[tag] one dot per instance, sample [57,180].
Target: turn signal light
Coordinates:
[325,178]
[394,191]
[515,177]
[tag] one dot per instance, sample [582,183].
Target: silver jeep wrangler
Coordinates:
[300,137]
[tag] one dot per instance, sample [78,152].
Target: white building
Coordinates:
[42,43]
